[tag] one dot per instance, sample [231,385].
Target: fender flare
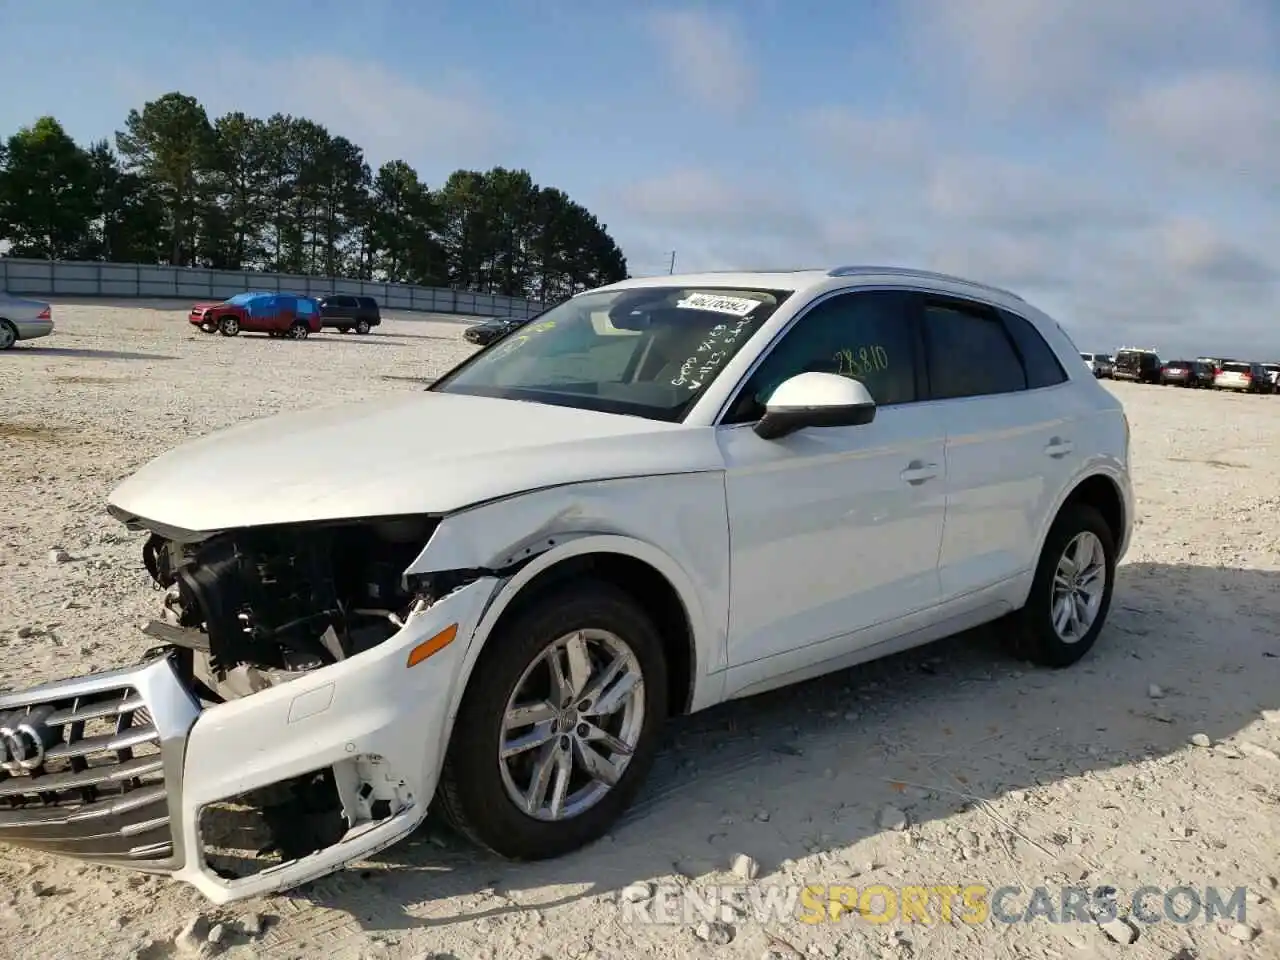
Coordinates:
[1097,468]
[569,547]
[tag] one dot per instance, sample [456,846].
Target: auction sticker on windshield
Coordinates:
[737,306]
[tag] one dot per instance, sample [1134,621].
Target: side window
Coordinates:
[867,336]
[1041,363]
[970,351]
[305,307]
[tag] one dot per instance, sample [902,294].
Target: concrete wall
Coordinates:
[69,278]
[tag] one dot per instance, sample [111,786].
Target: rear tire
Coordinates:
[362,327]
[1036,631]
[478,787]
[299,331]
[344,329]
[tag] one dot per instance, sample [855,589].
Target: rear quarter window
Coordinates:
[1039,360]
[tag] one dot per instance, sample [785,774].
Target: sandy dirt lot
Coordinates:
[1152,763]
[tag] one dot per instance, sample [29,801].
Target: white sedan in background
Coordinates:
[22,319]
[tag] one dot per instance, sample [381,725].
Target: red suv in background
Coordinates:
[275,314]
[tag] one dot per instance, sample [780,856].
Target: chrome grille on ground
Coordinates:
[82,774]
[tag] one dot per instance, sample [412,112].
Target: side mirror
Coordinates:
[815,400]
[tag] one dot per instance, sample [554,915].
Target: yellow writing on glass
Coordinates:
[514,343]
[858,362]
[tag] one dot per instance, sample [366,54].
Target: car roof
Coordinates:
[795,280]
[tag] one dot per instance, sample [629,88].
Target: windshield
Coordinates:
[643,351]
[243,298]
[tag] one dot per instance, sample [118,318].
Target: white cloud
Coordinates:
[859,143]
[1077,54]
[1195,249]
[1222,122]
[707,56]
[436,129]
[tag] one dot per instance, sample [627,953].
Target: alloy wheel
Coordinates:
[1079,584]
[571,725]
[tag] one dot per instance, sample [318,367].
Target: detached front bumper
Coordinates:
[124,768]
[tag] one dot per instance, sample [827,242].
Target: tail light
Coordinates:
[45,314]
[1217,371]
[1248,374]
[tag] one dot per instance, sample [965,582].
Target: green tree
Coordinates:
[46,193]
[285,194]
[170,142]
[403,218]
[237,191]
[129,218]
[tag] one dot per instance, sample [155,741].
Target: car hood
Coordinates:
[207,304]
[424,453]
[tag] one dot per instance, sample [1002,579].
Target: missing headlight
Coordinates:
[257,606]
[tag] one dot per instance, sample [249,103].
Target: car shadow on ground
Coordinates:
[806,770]
[89,354]
[367,340]
[416,336]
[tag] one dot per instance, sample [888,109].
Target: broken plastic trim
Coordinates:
[248,834]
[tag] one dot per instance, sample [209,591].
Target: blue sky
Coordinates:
[1116,162]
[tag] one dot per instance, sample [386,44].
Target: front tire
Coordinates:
[1071,593]
[8,335]
[559,726]
[229,326]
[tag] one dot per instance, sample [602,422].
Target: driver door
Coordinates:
[835,531]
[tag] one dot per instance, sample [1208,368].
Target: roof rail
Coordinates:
[868,270]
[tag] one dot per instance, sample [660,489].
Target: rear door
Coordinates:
[1010,416]
[260,314]
[286,311]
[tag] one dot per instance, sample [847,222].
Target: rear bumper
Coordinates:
[33,329]
[374,728]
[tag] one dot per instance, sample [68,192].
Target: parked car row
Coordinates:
[286,314]
[275,314]
[1142,365]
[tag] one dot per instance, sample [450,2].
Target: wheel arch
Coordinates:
[654,580]
[650,577]
[1100,488]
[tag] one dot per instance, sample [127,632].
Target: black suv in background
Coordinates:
[1187,373]
[1141,366]
[348,312]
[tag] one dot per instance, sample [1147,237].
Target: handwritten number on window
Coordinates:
[859,362]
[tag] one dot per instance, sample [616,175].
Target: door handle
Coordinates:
[1057,447]
[918,472]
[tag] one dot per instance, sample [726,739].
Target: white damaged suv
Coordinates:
[488,596]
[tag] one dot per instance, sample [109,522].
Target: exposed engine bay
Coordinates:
[252,608]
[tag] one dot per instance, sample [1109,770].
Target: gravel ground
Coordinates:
[1154,762]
